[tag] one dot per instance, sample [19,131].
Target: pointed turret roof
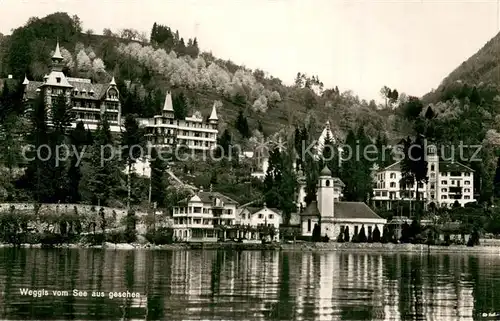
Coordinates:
[57,53]
[168,103]
[26,81]
[213,115]
[112,82]
[326,172]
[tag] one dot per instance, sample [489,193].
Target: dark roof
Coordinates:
[444,166]
[348,210]
[254,210]
[311,209]
[450,166]
[344,210]
[326,171]
[99,89]
[208,197]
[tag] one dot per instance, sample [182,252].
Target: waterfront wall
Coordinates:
[68,208]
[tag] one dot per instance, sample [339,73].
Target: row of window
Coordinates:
[445,190]
[454,174]
[456,197]
[201,221]
[261,216]
[198,210]
[171,121]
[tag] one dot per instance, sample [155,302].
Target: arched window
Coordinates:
[432,167]
[309,225]
[327,183]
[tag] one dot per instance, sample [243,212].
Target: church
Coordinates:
[334,216]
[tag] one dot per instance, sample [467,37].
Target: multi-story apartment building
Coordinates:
[449,182]
[89,101]
[193,132]
[205,216]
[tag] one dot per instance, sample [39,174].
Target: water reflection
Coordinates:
[248,285]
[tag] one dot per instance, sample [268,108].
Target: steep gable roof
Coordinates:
[354,210]
[344,210]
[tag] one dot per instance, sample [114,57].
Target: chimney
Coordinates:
[265,205]
[201,189]
[9,76]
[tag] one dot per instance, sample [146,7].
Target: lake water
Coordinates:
[247,285]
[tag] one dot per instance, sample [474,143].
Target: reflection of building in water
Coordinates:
[305,286]
[327,281]
[452,300]
[391,291]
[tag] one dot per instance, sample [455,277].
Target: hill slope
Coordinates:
[167,62]
[482,67]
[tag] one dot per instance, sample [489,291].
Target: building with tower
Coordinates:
[88,101]
[449,182]
[194,132]
[335,217]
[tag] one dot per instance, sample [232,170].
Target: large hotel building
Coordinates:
[89,101]
[193,132]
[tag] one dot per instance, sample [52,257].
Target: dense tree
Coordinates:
[180,106]
[158,165]
[103,165]
[356,167]
[280,183]
[79,143]
[414,166]
[132,146]
[242,125]
[376,235]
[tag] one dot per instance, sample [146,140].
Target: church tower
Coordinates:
[433,174]
[325,195]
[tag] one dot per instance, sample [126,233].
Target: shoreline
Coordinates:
[287,247]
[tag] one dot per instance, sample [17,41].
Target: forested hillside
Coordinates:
[165,60]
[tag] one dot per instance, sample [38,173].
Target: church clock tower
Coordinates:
[325,202]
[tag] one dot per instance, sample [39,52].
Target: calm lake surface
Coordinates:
[248,285]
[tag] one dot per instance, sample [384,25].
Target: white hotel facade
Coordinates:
[193,132]
[449,182]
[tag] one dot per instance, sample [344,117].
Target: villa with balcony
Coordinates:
[205,217]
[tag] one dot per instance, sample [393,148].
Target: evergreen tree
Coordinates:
[242,125]
[39,178]
[280,183]
[224,141]
[180,106]
[158,180]
[346,234]
[376,235]
[103,164]
[132,142]
[330,156]
[414,166]
[362,235]
[316,234]
[79,141]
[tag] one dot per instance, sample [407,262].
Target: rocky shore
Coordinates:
[302,247]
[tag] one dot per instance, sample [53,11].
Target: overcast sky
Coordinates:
[356,45]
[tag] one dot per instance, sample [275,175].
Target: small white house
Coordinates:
[256,217]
